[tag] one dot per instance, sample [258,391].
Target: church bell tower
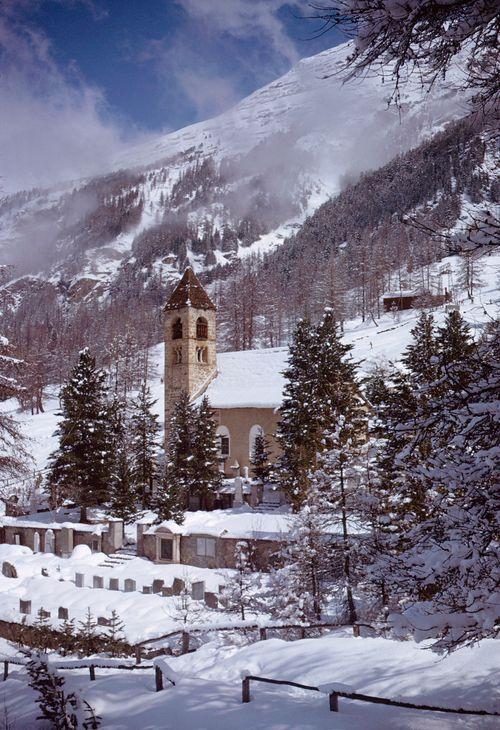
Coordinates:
[190,341]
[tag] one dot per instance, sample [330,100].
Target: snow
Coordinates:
[242,522]
[208,695]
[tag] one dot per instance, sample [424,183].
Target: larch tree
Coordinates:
[81,466]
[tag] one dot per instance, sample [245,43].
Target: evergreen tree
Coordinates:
[207,476]
[80,467]
[144,430]
[122,494]
[314,396]
[172,495]
[86,635]
[114,635]
[67,636]
[261,467]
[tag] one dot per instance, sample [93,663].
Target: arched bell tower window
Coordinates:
[202,355]
[177,329]
[201,328]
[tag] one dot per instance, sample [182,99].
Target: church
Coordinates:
[244,389]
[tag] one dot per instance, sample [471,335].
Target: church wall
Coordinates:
[239,421]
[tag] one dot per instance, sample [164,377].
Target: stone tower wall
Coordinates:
[190,374]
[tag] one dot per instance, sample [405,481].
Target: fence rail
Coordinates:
[335,694]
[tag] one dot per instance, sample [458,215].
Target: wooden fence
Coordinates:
[334,695]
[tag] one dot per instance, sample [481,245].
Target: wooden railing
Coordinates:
[334,695]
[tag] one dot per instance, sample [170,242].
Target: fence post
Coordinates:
[185,642]
[262,634]
[92,672]
[138,657]
[5,670]
[245,690]
[158,679]
[334,702]
[302,632]
[356,630]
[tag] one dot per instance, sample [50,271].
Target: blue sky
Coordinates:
[80,78]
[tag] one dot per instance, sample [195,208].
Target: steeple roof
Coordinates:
[189,293]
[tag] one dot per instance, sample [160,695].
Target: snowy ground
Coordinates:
[208,693]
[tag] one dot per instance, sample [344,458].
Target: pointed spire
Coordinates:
[189,293]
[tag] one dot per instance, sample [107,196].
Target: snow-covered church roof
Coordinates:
[249,379]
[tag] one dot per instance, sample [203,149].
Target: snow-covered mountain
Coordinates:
[235,184]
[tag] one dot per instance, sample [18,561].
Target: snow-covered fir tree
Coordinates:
[207,476]
[172,495]
[314,397]
[80,467]
[144,431]
[259,460]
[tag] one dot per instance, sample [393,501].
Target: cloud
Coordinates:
[54,126]
[221,51]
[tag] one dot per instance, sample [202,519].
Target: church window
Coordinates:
[201,328]
[254,432]
[177,329]
[224,442]
[202,354]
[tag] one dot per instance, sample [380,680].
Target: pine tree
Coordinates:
[207,476]
[80,467]
[237,593]
[122,493]
[14,459]
[86,643]
[67,636]
[56,706]
[144,430]
[261,467]
[314,397]
[114,635]
[172,495]
[42,633]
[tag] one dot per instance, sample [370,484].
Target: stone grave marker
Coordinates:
[129,585]
[63,613]
[114,584]
[98,581]
[177,587]
[147,589]
[102,621]
[211,600]
[198,590]
[157,585]
[24,606]
[166,591]
[8,570]
[79,580]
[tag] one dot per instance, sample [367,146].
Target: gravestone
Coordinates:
[114,584]
[63,613]
[103,621]
[177,587]
[8,570]
[98,581]
[157,585]
[45,572]
[198,590]
[42,613]
[166,591]
[24,606]
[129,585]
[211,600]
[79,580]
[147,589]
